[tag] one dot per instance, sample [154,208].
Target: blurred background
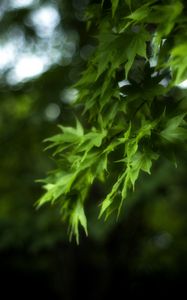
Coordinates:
[44,46]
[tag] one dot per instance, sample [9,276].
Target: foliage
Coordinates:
[130,114]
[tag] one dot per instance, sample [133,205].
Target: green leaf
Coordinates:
[110,197]
[68,135]
[101,167]
[165,13]
[114,6]
[146,162]
[140,13]
[143,161]
[173,131]
[137,46]
[135,163]
[77,216]
[91,139]
[178,62]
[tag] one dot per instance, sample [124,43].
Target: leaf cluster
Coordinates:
[129,113]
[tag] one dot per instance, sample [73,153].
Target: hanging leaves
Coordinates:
[128,109]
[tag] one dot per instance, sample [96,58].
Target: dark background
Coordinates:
[145,252]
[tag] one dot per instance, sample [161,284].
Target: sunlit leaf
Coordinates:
[77,216]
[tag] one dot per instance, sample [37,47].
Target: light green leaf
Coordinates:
[110,197]
[126,135]
[146,163]
[90,140]
[143,161]
[68,135]
[77,216]
[101,167]
[57,186]
[140,13]
[178,62]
